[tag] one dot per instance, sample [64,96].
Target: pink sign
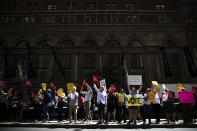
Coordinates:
[186,97]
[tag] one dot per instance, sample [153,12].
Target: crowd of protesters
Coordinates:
[93,102]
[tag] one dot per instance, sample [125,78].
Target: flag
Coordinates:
[124,71]
[84,82]
[20,71]
[59,65]
[95,79]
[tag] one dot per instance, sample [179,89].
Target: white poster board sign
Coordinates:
[103,83]
[134,79]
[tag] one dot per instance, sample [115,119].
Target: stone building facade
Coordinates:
[91,36]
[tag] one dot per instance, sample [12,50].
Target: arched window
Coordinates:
[22,44]
[169,43]
[44,44]
[66,43]
[112,43]
[135,43]
[89,43]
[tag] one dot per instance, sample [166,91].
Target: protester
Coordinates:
[133,110]
[121,97]
[157,106]
[81,110]
[73,103]
[168,106]
[147,107]
[47,105]
[187,111]
[101,102]
[110,104]
[88,97]
[61,100]
[38,105]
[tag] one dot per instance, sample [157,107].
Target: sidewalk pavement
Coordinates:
[93,124]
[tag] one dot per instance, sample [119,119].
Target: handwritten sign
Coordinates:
[134,79]
[134,100]
[103,84]
[186,97]
[60,92]
[70,88]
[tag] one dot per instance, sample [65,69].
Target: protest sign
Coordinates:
[179,87]
[103,84]
[186,97]
[121,97]
[84,82]
[134,100]
[134,79]
[95,79]
[151,96]
[171,96]
[44,86]
[70,88]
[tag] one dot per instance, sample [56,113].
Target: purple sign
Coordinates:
[186,97]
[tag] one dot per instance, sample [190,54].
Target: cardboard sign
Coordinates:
[114,87]
[60,92]
[84,82]
[103,84]
[2,84]
[134,79]
[156,87]
[44,86]
[151,97]
[95,79]
[155,83]
[179,87]
[70,88]
[134,100]
[194,89]
[171,96]
[121,98]
[186,97]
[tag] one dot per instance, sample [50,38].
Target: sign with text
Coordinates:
[121,98]
[134,79]
[186,97]
[151,96]
[70,88]
[103,83]
[134,100]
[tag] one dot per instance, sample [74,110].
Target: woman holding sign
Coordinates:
[131,102]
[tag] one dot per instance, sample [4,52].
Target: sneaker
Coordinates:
[129,123]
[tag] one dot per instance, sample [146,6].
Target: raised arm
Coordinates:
[96,89]
[81,91]
[140,88]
